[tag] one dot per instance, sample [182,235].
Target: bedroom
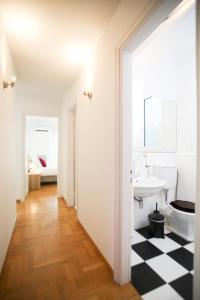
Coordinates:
[41,151]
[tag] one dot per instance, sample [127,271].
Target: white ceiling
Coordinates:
[40,57]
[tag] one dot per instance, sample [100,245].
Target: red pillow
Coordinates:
[42,161]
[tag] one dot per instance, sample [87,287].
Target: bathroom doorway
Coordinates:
[159,83]
[164,158]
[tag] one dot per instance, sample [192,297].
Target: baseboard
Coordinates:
[66,202]
[91,240]
[97,249]
[5,258]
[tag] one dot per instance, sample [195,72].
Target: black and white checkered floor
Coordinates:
[161,268]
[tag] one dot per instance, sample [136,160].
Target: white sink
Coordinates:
[145,187]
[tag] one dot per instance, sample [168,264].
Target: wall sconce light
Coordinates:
[10,83]
[87,93]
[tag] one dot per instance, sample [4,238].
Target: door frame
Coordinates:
[72,186]
[22,192]
[197,221]
[152,17]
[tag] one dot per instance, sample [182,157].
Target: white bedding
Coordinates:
[48,171]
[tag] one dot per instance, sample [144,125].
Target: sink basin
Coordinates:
[145,187]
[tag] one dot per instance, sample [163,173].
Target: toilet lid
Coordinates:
[184,205]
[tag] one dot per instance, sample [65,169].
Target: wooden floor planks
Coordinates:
[50,257]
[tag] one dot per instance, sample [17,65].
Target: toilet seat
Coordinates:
[184,207]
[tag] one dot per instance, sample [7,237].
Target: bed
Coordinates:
[48,174]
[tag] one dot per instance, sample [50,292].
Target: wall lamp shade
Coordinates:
[87,93]
[10,82]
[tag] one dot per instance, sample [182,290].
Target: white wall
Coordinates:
[164,67]
[7,149]
[38,106]
[43,142]
[33,107]
[96,130]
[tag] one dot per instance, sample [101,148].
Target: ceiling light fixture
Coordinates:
[21,24]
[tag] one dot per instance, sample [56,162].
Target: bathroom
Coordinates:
[164,158]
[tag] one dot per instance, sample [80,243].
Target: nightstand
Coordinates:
[34,180]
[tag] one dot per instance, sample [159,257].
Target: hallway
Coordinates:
[71,61]
[51,257]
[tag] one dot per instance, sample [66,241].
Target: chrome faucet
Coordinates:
[143,160]
[147,165]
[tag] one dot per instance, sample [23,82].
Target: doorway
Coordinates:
[69,189]
[72,187]
[125,190]
[164,157]
[41,155]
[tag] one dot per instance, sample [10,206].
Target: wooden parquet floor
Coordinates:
[50,257]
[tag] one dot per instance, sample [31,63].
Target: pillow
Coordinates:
[43,162]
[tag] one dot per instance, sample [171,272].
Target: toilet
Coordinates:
[180,219]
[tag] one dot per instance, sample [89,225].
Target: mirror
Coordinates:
[153,122]
[154,125]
